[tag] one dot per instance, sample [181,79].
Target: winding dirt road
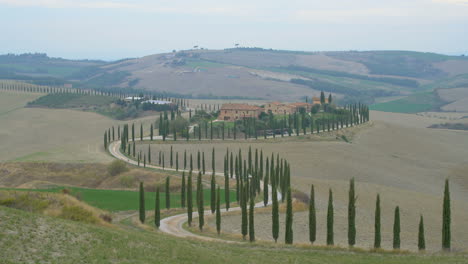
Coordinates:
[173,225]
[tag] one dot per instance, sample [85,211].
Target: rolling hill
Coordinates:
[255,73]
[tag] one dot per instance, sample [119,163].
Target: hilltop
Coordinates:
[255,73]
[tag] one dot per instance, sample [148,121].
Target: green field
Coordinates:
[71,100]
[415,103]
[116,200]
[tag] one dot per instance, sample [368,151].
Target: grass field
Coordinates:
[36,134]
[116,200]
[27,237]
[420,102]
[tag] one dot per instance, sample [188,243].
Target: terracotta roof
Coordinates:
[239,107]
[276,103]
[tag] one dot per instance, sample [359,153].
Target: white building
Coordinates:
[157,102]
[133,98]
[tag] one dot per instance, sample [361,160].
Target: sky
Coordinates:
[115,29]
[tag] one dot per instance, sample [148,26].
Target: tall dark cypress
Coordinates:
[243,205]
[183,187]
[251,221]
[312,216]
[275,214]
[218,211]
[177,161]
[201,209]
[396,229]
[168,194]
[351,214]
[149,154]
[265,187]
[189,199]
[141,132]
[185,159]
[157,209]
[289,219]
[213,193]
[203,163]
[421,238]
[330,219]
[213,161]
[142,203]
[446,219]
[377,235]
[227,197]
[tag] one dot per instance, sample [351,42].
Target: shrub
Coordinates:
[106,217]
[127,181]
[76,213]
[28,202]
[117,167]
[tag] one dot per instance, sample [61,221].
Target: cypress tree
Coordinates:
[157,210]
[141,132]
[244,220]
[330,219]
[231,165]
[289,218]
[191,162]
[105,140]
[218,211]
[446,218]
[396,229]
[177,161]
[182,195]
[142,203]
[149,154]
[213,161]
[265,187]
[201,209]
[275,214]
[377,235]
[351,214]
[185,159]
[168,194]
[170,158]
[421,238]
[213,193]
[189,198]
[203,162]
[198,160]
[312,216]
[133,132]
[227,197]
[251,221]
[151,132]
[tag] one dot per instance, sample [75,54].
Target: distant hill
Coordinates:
[258,73]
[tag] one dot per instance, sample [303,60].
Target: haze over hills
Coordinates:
[255,73]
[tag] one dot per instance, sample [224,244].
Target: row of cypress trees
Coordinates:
[446,221]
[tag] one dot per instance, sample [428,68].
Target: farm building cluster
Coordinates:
[232,112]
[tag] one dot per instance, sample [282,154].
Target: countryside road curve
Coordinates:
[173,225]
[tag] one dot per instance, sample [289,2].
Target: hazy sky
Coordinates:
[112,29]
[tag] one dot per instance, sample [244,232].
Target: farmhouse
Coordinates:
[157,102]
[277,108]
[232,112]
[316,100]
[133,98]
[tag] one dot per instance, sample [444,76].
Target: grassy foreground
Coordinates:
[27,237]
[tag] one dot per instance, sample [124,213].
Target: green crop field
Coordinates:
[70,100]
[117,200]
[415,103]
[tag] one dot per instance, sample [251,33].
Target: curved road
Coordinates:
[174,224]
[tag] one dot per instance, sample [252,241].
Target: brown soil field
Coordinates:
[398,157]
[32,175]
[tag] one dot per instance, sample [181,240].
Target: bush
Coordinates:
[117,167]
[127,181]
[76,213]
